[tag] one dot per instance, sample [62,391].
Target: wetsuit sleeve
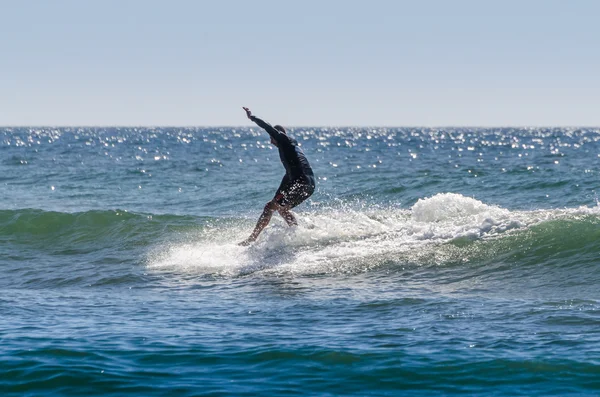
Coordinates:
[277,135]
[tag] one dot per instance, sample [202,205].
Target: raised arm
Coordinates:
[275,134]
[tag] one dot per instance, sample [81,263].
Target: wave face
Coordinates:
[448,261]
[50,229]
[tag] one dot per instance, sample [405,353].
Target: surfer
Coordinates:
[297,185]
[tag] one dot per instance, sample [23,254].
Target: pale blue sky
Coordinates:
[376,62]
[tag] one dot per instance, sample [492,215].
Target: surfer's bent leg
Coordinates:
[293,194]
[288,216]
[289,195]
[263,221]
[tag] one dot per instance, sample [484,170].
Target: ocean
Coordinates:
[429,262]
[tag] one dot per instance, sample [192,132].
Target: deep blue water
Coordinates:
[428,262]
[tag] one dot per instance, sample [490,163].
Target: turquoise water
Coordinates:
[428,262]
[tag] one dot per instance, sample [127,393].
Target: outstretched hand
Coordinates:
[248,112]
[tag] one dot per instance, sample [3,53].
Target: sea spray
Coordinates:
[347,240]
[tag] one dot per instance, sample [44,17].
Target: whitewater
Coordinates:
[341,240]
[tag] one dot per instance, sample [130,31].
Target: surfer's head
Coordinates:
[280,129]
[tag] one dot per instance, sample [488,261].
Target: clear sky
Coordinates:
[300,63]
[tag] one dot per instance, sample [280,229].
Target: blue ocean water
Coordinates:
[430,262]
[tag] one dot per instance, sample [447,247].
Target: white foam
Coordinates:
[199,257]
[452,206]
[337,240]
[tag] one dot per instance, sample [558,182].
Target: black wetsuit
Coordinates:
[298,184]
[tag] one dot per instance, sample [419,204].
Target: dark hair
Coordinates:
[279,128]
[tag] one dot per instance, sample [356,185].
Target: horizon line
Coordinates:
[296,127]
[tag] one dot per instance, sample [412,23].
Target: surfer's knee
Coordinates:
[271,206]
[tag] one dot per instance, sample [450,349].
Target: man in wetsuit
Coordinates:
[297,185]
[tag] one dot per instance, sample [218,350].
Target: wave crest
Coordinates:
[435,230]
